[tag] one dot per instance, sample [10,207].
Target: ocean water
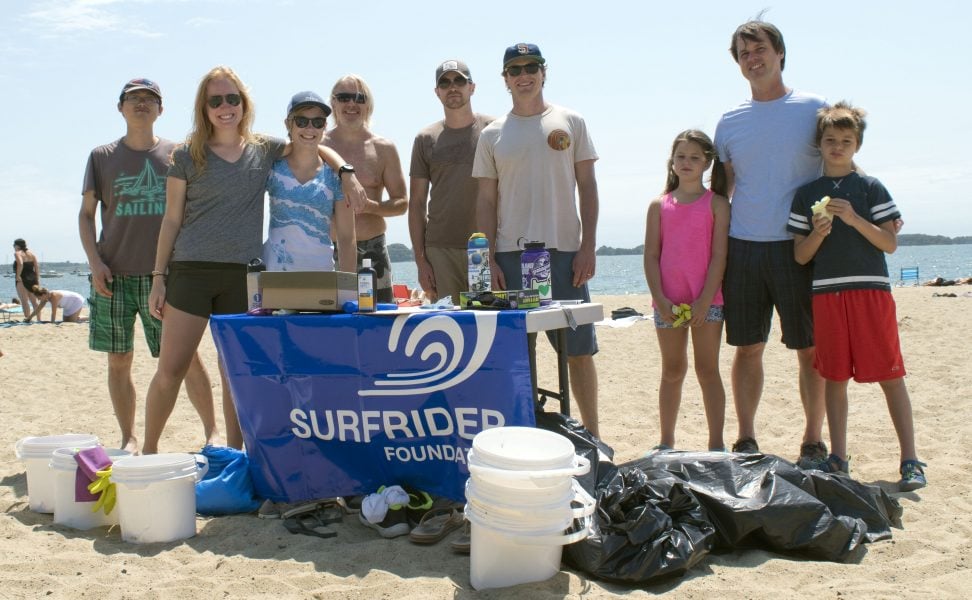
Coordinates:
[619,275]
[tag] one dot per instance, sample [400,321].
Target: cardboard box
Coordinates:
[508,300]
[308,290]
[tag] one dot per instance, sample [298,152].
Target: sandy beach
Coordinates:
[53,384]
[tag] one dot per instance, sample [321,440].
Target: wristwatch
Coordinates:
[345,169]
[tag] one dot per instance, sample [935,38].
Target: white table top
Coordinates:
[537,319]
[556,317]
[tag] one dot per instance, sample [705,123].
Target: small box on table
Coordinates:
[308,290]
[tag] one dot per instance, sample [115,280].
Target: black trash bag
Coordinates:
[585,445]
[644,529]
[767,502]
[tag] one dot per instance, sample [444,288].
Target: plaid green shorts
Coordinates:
[112,320]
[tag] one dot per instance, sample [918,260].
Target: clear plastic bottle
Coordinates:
[254,292]
[477,262]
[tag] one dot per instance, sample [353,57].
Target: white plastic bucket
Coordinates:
[68,511]
[36,453]
[520,479]
[523,505]
[157,496]
[522,449]
[510,547]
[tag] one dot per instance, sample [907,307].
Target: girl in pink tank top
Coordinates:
[686,239]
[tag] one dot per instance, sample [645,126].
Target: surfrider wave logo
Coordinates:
[444,357]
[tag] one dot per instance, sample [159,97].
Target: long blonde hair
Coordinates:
[202,128]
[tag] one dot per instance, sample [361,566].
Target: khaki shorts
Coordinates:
[450,269]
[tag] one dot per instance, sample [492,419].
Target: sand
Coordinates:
[53,384]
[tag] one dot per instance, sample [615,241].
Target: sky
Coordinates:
[639,72]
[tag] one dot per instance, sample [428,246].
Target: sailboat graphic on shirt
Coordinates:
[142,194]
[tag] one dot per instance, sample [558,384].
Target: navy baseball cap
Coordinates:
[140,84]
[302,99]
[523,51]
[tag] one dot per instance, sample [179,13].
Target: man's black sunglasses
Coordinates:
[514,71]
[357,98]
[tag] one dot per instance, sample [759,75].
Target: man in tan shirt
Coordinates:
[377,167]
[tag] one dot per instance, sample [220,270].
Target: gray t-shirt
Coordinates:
[223,219]
[130,188]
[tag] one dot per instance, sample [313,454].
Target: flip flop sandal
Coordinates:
[351,505]
[309,524]
[298,508]
[435,525]
[463,542]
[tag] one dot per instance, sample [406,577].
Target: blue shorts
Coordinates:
[581,341]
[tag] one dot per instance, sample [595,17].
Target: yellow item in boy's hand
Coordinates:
[820,207]
[683,314]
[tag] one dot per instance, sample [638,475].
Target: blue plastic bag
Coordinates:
[226,488]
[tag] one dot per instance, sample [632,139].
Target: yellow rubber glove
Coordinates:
[683,314]
[103,485]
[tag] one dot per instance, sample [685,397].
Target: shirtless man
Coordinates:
[377,167]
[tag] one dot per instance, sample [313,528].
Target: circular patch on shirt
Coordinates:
[558,139]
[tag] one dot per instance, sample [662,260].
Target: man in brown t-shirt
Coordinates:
[442,158]
[124,182]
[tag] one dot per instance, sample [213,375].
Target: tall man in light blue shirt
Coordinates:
[767,145]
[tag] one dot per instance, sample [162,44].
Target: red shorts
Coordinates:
[856,334]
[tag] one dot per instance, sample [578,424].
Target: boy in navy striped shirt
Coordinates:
[845,222]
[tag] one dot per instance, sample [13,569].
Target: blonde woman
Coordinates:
[211,229]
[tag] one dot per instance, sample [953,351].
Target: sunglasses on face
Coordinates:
[531,69]
[231,99]
[446,83]
[302,122]
[146,98]
[357,98]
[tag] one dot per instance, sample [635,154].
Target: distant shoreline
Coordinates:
[402,253]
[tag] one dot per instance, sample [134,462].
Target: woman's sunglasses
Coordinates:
[357,98]
[231,99]
[531,69]
[302,122]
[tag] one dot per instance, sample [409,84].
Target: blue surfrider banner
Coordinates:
[334,405]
